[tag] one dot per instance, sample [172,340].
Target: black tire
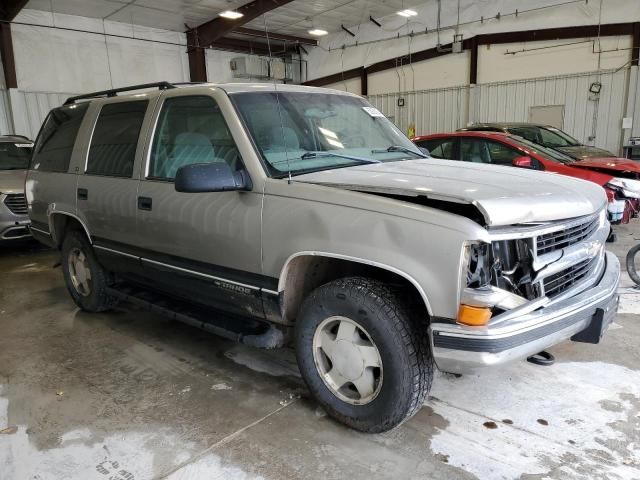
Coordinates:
[402,342]
[97,299]
[631,264]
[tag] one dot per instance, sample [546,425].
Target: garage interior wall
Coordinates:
[78,57]
[511,78]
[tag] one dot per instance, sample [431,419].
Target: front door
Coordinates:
[204,247]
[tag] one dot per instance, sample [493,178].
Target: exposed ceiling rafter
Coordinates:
[10,8]
[207,33]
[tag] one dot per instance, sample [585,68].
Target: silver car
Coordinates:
[280,215]
[15,153]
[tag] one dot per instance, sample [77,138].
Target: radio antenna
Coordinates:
[275,88]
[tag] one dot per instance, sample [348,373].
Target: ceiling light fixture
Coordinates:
[318,32]
[407,13]
[231,14]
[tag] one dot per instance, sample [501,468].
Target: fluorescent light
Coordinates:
[407,13]
[232,14]
[318,32]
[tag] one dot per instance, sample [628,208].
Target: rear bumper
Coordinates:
[460,349]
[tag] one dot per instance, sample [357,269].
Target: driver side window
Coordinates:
[190,130]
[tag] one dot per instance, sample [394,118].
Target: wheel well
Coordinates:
[305,273]
[63,223]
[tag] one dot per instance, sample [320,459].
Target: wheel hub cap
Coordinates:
[80,272]
[347,360]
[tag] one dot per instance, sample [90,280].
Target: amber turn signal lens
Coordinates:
[475,316]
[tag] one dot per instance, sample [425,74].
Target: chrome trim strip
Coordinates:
[39,231]
[270,292]
[116,252]
[514,233]
[199,274]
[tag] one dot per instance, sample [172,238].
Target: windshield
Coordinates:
[548,153]
[547,136]
[15,156]
[300,132]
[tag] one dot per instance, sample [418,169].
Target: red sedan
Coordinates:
[510,150]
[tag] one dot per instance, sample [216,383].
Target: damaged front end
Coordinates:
[526,289]
[527,264]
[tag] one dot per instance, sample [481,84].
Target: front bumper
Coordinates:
[12,226]
[461,349]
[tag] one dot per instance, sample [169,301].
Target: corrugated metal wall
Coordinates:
[5,113]
[31,108]
[438,110]
[510,101]
[443,110]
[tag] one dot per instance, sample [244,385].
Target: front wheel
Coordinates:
[362,355]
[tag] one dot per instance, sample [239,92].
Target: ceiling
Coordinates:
[294,18]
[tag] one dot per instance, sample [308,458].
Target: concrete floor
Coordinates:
[128,395]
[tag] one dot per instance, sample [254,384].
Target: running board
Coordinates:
[247,331]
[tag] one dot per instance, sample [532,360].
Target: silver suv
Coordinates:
[280,215]
[15,153]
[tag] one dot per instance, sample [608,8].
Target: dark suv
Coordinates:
[544,135]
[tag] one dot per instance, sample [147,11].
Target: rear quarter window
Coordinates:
[54,145]
[439,147]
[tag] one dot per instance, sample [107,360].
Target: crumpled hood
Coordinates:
[12,181]
[504,195]
[610,164]
[584,151]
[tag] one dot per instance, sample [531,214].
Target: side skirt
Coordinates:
[248,331]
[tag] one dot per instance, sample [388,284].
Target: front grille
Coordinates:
[563,238]
[17,203]
[559,282]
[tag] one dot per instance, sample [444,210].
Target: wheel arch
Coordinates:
[304,271]
[61,222]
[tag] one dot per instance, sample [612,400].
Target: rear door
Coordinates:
[200,246]
[107,188]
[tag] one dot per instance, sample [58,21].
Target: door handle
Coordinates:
[83,194]
[145,203]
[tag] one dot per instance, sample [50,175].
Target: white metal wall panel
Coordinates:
[437,110]
[510,102]
[31,108]
[6,126]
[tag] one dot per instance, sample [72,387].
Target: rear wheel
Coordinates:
[84,277]
[362,355]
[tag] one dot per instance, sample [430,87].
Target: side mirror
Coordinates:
[523,162]
[210,177]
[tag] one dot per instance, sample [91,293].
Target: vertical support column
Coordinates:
[473,67]
[8,60]
[364,80]
[197,58]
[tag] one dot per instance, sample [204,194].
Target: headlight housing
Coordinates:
[627,187]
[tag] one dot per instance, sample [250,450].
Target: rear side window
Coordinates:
[439,148]
[114,139]
[57,136]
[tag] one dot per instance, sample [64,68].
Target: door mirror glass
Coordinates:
[523,162]
[210,177]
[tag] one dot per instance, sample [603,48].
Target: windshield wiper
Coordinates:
[400,148]
[307,155]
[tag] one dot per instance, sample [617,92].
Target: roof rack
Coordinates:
[114,91]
